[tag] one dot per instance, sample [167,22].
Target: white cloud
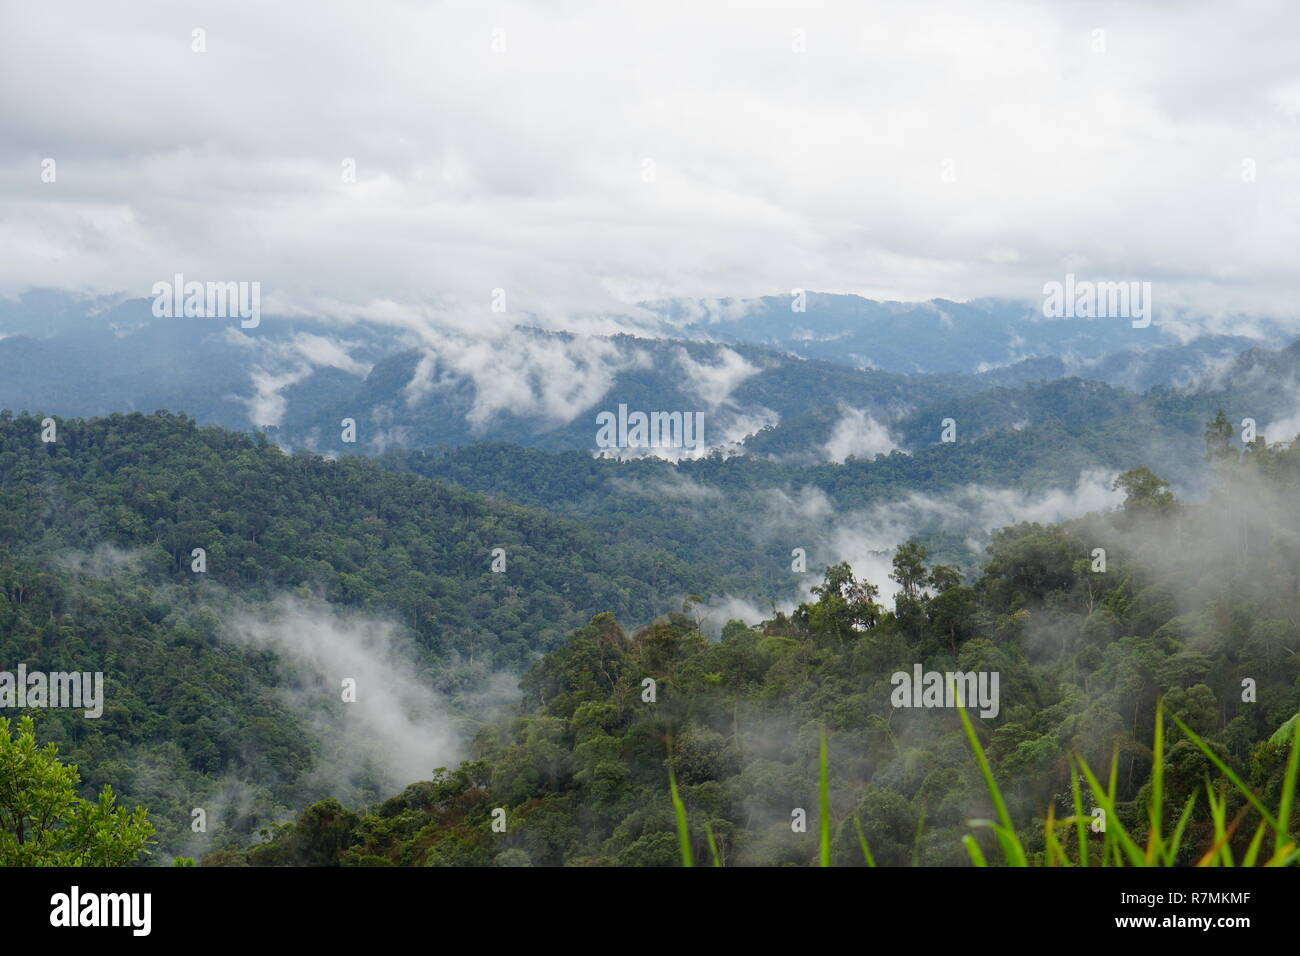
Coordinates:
[398,729]
[858,434]
[1287,426]
[867,538]
[773,170]
[715,383]
[279,365]
[550,378]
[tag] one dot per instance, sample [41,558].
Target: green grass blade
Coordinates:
[1053,853]
[862,842]
[1288,791]
[683,832]
[1156,808]
[713,847]
[1110,845]
[1080,821]
[1011,848]
[1227,772]
[1216,817]
[1220,853]
[1131,849]
[1252,852]
[973,848]
[1176,841]
[1285,856]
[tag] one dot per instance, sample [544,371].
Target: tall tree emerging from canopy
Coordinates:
[42,820]
[1146,492]
[1218,439]
[909,569]
[844,604]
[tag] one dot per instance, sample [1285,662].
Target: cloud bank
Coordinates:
[582,157]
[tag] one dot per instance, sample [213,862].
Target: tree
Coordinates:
[909,569]
[42,820]
[1146,491]
[844,603]
[1218,438]
[945,577]
[952,614]
[911,575]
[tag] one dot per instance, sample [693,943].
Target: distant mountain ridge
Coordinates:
[303,379]
[941,336]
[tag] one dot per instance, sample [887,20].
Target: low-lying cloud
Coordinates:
[858,435]
[397,730]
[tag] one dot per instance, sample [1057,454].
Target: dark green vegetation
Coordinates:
[97,532]
[356,533]
[42,820]
[739,516]
[1195,612]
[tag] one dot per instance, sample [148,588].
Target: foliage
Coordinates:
[1121,691]
[42,820]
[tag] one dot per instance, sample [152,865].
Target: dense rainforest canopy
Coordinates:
[1087,624]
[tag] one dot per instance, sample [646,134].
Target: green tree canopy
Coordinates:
[42,820]
[1146,491]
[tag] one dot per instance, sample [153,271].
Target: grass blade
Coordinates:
[1288,791]
[713,847]
[683,832]
[1284,856]
[1252,852]
[1227,772]
[1156,808]
[1176,841]
[1080,822]
[1052,852]
[1220,854]
[1011,848]
[1135,854]
[862,842]
[973,848]
[1109,846]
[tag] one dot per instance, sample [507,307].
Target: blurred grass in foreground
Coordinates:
[1119,847]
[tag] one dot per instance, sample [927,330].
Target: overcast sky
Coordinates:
[613,152]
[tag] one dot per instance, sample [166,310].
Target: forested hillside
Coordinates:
[1094,393]
[1195,605]
[589,436]
[222,670]
[98,530]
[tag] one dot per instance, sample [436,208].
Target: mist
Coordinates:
[396,731]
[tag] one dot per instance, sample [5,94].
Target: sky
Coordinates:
[586,156]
